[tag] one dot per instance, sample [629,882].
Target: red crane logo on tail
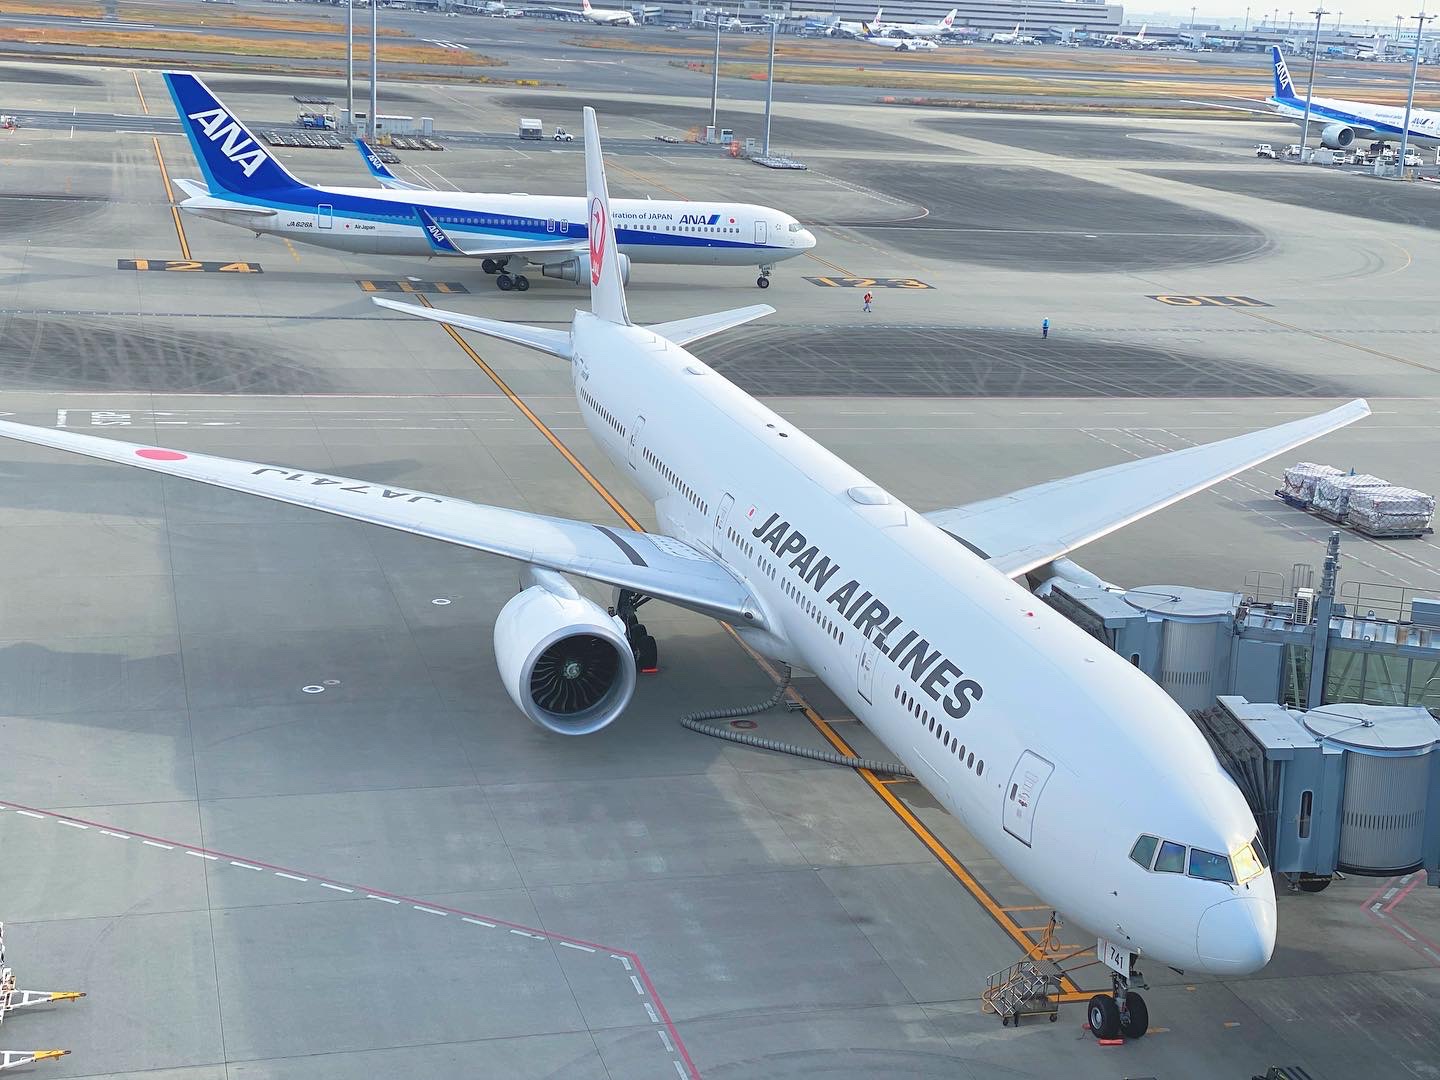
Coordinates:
[598,239]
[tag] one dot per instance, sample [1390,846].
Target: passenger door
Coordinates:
[1022,795]
[325,216]
[760,232]
[635,431]
[865,675]
[722,515]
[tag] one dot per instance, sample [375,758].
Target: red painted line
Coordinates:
[1419,877]
[547,935]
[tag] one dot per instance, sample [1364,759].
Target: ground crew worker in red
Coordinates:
[868,299]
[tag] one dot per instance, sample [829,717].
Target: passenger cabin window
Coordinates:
[1171,859]
[1208,866]
[1144,850]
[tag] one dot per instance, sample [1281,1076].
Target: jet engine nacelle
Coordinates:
[563,660]
[577,269]
[1337,136]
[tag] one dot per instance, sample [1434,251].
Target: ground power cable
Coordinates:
[696,721]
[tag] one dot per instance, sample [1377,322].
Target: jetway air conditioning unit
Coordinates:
[1344,787]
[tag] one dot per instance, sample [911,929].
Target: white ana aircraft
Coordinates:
[920,30]
[1342,122]
[854,29]
[897,44]
[1014,37]
[1079,774]
[245,186]
[1130,41]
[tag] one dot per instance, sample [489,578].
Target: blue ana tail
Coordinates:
[1284,88]
[230,156]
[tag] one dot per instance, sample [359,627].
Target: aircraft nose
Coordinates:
[807,240]
[1236,937]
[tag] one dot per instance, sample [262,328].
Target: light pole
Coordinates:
[350,61]
[1246,30]
[715,82]
[1319,13]
[374,66]
[1410,98]
[1398,20]
[1192,19]
[770,88]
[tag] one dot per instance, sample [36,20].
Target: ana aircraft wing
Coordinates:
[655,565]
[442,243]
[1032,526]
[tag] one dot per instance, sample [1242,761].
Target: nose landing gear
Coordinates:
[763,281]
[1123,1013]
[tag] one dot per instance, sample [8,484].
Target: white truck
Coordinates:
[1265,150]
[531,129]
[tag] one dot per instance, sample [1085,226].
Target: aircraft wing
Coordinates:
[442,243]
[655,565]
[1035,525]
[381,172]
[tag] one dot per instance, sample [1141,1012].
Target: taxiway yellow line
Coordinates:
[937,848]
[164,175]
[136,76]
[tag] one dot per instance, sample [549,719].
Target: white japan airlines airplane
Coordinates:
[1078,773]
[1129,41]
[921,30]
[602,16]
[245,186]
[855,29]
[1013,37]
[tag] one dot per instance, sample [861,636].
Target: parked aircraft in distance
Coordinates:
[1342,122]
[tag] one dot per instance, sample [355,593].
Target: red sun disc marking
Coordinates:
[597,239]
[161,455]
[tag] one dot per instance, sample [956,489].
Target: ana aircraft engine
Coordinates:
[1337,136]
[577,269]
[564,661]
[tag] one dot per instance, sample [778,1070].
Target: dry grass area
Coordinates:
[303,49]
[1039,88]
[171,15]
[41,7]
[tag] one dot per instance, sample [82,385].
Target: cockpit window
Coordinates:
[794,226]
[1171,859]
[1247,863]
[1144,850]
[1209,866]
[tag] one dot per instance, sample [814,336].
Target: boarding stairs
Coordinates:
[1024,989]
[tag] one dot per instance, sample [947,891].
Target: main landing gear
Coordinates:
[504,280]
[642,644]
[763,281]
[1123,1013]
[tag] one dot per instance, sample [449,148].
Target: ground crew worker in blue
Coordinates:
[1044,328]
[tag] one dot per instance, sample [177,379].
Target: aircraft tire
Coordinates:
[1104,1017]
[488,265]
[505,282]
[762,282]
[1137,1019]
[522,283]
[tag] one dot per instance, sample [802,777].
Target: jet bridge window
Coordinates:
[1144,850]
[1171,859]
[1208,866]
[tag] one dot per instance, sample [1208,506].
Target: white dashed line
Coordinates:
[290,877]
[680,1070]
[428,910]
[665,1038]
[477,922]
[638,988]
[382,899]
[337,888]
[156,843]
[72,824]
[572,945]
[623,959]
[27,813]
[245,865]
[522,933]
[650,1012]
[107,832]
[203,855]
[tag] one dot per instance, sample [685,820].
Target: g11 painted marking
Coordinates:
[869,282]
[1209,301]
[369,285]
[189,266]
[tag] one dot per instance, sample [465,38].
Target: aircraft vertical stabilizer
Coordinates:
[1284,88]
[607,288]
[229,154]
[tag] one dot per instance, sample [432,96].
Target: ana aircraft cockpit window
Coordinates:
[1208,866]
[794,226]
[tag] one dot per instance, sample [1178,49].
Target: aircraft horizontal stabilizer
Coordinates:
[381,172]
[1036,525]
[554,342]
[684,331]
